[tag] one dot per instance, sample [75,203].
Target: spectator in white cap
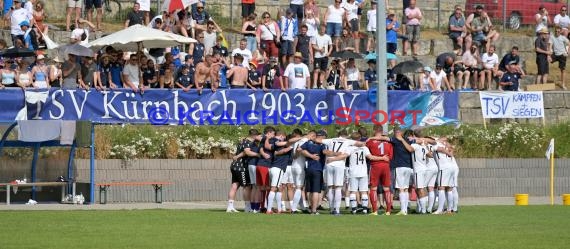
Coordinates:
[80,34]
[297,74]
[427,83]
[40,73]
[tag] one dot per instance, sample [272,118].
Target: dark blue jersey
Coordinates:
[279,161]
[254,147]
[315,148]
[262,161]
[402,157]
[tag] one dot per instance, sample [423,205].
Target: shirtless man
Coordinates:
[202,75]
[239,72]
[218,72]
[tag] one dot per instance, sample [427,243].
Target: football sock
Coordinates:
[347,201]
[230,204]
[337,199]
[403,205]
[291,205]
[388,198]
[455,198]
[440,201]
[353,202]
[255,206]
[365,200]
[270,200]
[296,199]
[431,201]
[247,206]
[330,196]
[449,200]
[424,202]
[305,204]
[418,204]
[280,205]
[406,200]
[373,200]
[262,204]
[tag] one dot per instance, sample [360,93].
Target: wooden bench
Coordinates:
[37,184]
[103,187]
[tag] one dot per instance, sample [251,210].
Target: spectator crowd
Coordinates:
[293,50]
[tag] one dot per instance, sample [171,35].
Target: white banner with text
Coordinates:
[512,104]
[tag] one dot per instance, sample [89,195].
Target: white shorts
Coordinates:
[74,4]
[298,174]
[287,176]
[358,184]
[420,179]
[325,170]
[445,177]
[431,176]
[275,176]
[335,176]
[252,174]
[403,175]
[455,176]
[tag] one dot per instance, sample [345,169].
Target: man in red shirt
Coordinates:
[380,171]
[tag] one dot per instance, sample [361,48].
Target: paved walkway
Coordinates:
[239,204]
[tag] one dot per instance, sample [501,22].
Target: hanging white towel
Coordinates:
[67,132]
[38,130]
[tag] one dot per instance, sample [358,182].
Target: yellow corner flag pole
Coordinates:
[550,156]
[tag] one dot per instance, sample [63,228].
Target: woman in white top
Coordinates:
[439,78]
[24,77]
[427,83]
[268,33]
[352,79]
[312,23]
[333,18]
[541,18]
[8,75]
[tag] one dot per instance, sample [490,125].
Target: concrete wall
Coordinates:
[209,180]
[57,8]
[556,108]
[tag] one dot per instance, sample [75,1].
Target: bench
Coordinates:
[37,184]
[103,187]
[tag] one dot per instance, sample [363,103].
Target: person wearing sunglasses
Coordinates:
[562,20]
[268,34]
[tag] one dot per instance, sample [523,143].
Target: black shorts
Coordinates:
[354,25]
[90,3]
[314,181]
[240,176]
[247,9]
[542,64]
[321,63]
[286,47]
[561,59]
[391,47]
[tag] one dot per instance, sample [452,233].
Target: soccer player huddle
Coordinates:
[310,169]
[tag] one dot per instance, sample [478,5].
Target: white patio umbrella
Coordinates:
[132,38]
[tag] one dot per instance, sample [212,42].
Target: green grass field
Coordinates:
[474,227]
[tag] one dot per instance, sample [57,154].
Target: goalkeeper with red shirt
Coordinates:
[380,171]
